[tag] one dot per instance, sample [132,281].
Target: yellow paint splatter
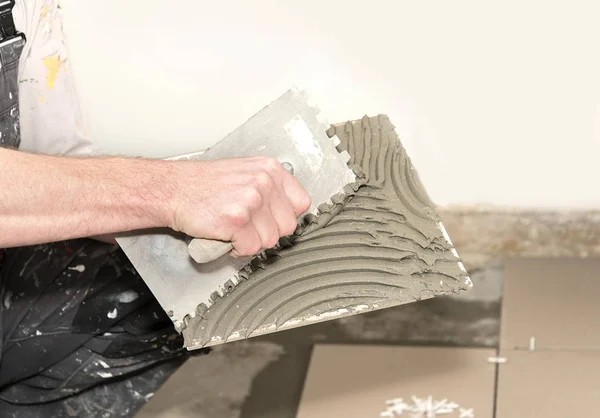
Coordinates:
[44,13]
[53,65]
[42,99]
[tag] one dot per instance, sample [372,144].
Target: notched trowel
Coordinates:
[173,266]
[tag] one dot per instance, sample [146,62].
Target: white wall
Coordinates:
[496,104]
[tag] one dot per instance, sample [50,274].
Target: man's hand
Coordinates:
[250,202]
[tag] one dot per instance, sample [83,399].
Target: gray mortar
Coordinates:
[379,244]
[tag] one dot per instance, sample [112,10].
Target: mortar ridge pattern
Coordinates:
[377,244]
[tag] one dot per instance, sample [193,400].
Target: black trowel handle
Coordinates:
[207,250]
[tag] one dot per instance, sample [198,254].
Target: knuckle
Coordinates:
[271,165]
[238,216]
[263,181]
[252,198]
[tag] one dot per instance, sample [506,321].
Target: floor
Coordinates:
[244,379]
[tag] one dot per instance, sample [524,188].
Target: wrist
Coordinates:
[157,196]
[137,191]
[176,188]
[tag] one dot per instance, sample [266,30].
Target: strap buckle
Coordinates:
[8,30]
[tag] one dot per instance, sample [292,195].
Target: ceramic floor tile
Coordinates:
[553,301]
[357,381]
[549,384]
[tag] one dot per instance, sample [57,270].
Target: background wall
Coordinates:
[497,104]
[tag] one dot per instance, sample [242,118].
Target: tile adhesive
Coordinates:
[379,244]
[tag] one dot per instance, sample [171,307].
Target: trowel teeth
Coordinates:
[309,218]
[338,199]
[201,309]
[214,296]
[323,207]
[350,188]
[331,132]
[345,156]
[228,287]
[286,242]
[178,326]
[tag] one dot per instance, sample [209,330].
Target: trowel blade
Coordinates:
[288,129]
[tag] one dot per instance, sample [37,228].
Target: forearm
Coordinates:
[46,198]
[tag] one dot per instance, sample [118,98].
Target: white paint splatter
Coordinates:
[103,364]
[37,332]
[466,413]
[80,268]
[149,395]
[25,266]
[112,314]
[7,299]
[125,297]
[10,95]
[105,375]
[424,408]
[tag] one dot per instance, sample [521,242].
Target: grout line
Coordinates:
[498,347]
[556,349]
[496,376]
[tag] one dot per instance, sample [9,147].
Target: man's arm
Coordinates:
[249,201]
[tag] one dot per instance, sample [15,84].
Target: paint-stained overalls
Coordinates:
[75,316]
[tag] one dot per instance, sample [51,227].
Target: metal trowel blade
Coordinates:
[288,129]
